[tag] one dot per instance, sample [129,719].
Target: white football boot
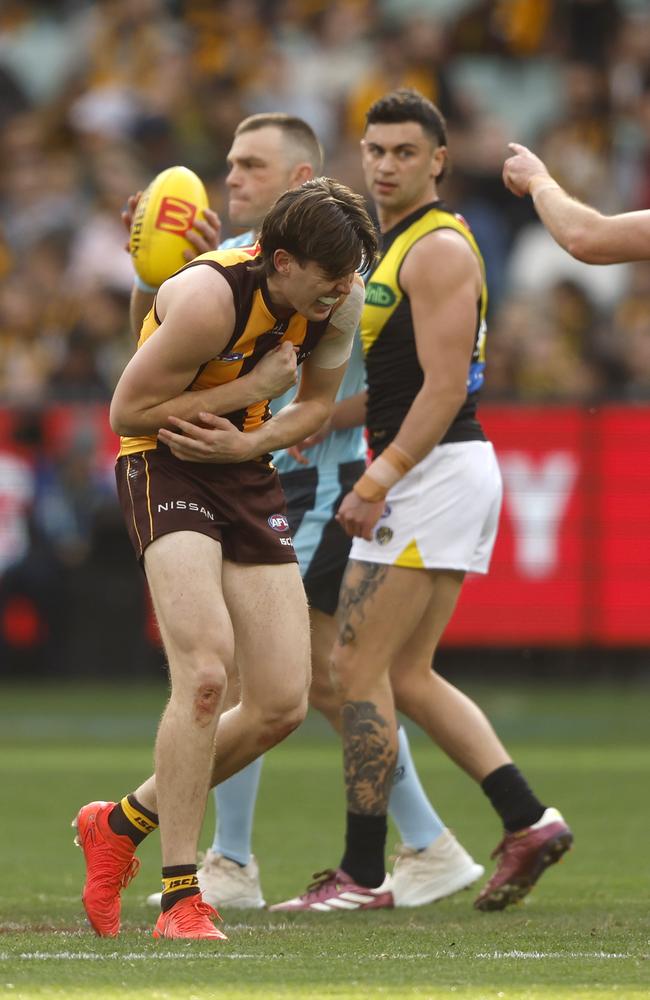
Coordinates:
[441,869]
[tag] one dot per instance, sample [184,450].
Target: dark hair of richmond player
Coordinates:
[407,105]
[321,221]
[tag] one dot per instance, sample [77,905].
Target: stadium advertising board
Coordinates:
[571,565]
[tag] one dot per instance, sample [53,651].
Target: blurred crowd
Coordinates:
[97,97]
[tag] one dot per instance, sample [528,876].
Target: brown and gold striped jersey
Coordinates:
[257,330]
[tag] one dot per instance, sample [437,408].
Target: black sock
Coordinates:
[178,881]
[508,791]
[130,819]
[365,842]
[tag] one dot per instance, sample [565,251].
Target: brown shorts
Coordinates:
[242,506]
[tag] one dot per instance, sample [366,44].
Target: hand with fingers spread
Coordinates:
[358,517]
[276,372]
[214,440]
[520,168]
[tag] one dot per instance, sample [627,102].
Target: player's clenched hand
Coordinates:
[520,168]
[204,235]
[217,441]
[358,517]
[276,372]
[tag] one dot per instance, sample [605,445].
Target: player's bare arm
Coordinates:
[197,316]
[583,232]
[442,279]
[271,377]
[322,372]
[220,441]
[349,412]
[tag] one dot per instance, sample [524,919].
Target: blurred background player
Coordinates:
[271,153]
[423,514]
[581,230]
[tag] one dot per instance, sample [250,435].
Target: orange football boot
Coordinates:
[110,866]
[190,917]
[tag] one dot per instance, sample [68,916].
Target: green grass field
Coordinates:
[583,933]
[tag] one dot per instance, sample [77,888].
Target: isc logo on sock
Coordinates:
[181,882]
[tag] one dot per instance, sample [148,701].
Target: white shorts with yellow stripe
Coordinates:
[443,514]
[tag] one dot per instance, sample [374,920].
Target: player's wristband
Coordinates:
[539,183]
[383,473]
[143,286]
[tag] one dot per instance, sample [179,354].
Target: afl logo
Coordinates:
[278,522]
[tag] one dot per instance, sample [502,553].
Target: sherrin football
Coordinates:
[165,212]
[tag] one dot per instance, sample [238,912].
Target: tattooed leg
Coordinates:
[378,606]
[369,756]
[369,752]
[360,584]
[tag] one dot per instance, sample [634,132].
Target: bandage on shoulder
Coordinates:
[347,316]
[334,351]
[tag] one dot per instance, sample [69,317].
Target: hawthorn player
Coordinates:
[222,574]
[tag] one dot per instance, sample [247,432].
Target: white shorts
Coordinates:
[443,514]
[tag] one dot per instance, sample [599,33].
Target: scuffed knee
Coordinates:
[208,697]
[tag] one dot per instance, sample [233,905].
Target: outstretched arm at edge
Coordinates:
[580,229]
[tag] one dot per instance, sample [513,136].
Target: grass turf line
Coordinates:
[584,932]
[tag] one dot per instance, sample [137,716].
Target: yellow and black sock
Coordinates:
[130,819]
[178,881]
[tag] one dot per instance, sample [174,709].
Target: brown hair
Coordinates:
[301,135]
[321,221]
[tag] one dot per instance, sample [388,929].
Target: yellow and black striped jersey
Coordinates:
[257,330]
[393,371]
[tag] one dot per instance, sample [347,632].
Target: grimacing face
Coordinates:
[259,171]
[305,287]
[400,165]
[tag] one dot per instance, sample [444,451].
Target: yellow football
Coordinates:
[165,212]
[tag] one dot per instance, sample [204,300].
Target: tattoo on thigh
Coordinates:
[369,758]
[354,596]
